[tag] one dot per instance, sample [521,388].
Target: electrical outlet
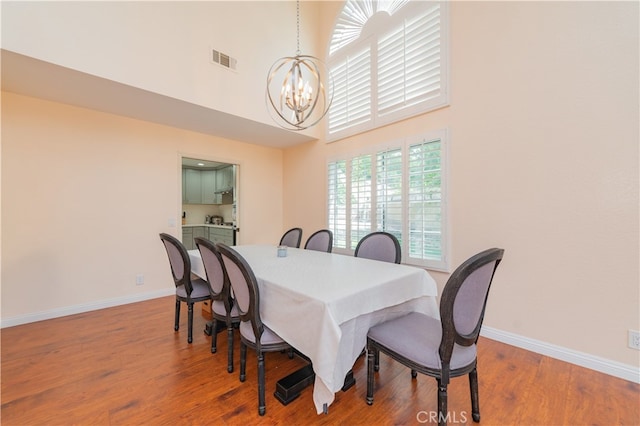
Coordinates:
[139,279]
[634,339]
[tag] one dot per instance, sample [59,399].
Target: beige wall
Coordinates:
[164,47]
[85,194]
[544,163]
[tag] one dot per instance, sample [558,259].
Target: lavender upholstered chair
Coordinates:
[223,307]
[187,291]
[442,348]
[253,333]
[321,240]
[379,246]
[292,238]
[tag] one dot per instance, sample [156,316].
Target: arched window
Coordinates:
[389,61]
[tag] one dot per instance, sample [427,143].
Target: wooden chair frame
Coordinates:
[183,280]
[291,231]
[450,336]
[252,315]
[363,241]
[224,296]
[318,233]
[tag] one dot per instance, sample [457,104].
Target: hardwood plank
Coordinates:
[126,365]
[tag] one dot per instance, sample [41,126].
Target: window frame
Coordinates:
[403,144]
[370,39]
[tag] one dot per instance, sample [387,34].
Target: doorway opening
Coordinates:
[209,201]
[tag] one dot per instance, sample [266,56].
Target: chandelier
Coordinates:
[297,97]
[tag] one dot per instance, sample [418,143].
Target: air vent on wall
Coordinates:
[223,59]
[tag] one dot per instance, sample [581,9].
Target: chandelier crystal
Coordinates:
[297,96]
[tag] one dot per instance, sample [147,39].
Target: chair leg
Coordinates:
[475,400]
[442,404]
[230,348]
[376,364]
[370,367]
[190,323]
[214,336]
[176,325]
[243,361]
[261,403]
[414,374]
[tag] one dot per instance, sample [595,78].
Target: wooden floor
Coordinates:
[126,366]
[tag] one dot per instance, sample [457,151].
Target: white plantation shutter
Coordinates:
[351,91]
[396,69]
[426,53]
[389,191]
[338,117]
[392,74]
[360,206]
[401,190]
[409,63]
[425,202]
[337,202]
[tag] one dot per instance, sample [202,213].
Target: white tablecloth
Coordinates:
[324,304]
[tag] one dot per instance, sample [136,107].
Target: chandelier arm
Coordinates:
[273,105]
[316,73]
[285,85]
[272,74]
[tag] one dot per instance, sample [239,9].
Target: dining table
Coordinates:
[323,304]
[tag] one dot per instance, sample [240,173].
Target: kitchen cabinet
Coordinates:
[224,179]
[208,179]
[200,186]
[187,238]
[221,235]
[215,234]
[192,191]
[199,231]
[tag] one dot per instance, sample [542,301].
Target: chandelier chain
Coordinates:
[298,27]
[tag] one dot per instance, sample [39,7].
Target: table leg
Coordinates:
[221,326]
[349,381]
[288,388]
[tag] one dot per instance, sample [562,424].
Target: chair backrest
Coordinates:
[179,261]
[464,300]
[321,240]
[245,288]
[214,269]
[379,246]
[292,238]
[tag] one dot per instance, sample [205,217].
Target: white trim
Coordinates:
[85,307]
[442,135]
[371,38]
[612,368]
[404,144]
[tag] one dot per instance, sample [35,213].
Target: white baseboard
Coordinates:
[612,368]
[78,309]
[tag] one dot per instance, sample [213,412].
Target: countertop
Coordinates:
[208,225]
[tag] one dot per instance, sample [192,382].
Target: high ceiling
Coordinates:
[31,77]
